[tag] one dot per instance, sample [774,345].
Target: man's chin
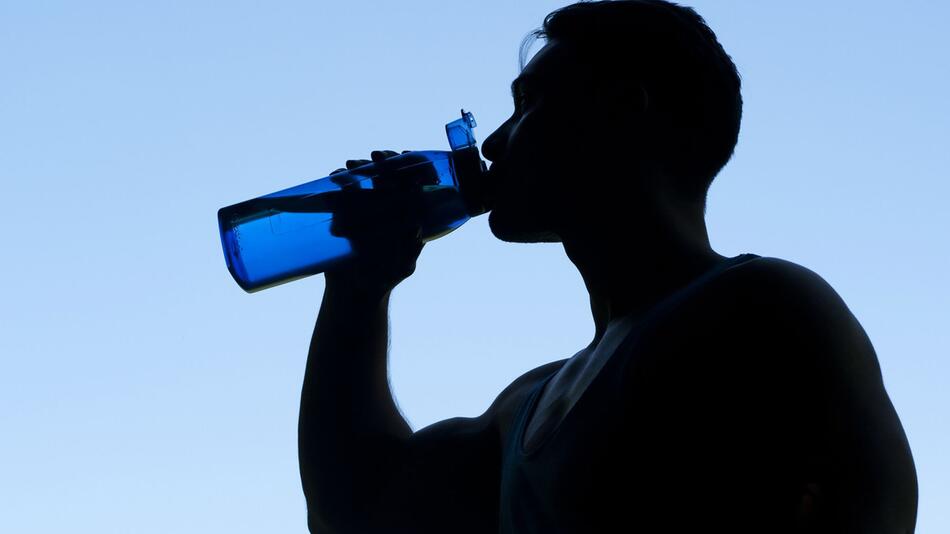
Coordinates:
[518,231]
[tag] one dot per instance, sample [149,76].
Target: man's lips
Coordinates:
[491,184]
[497,174]
[494,172]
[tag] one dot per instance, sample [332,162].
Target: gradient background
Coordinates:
[142,391]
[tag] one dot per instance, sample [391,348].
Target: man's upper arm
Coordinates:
[825,368]
[448,476]
[446,480]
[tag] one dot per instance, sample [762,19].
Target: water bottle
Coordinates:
[285,236]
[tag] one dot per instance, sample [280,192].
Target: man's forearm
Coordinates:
[350,431]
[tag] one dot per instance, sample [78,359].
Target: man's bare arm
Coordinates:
[349,428]
[839,414]
[363,470]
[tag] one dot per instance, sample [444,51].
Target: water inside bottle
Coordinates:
[264,237]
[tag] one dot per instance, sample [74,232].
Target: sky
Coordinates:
[142,391]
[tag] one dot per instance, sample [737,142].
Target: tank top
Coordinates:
[571,481]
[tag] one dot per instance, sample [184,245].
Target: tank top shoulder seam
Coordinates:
[530,404]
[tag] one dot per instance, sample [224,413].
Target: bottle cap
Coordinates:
[468,167]
[460,133]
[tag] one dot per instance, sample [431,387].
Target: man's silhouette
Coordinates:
[733,394]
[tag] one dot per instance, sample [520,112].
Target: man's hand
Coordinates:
[384,228]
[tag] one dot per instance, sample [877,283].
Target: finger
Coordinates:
[379,155]
[377,216]
[392,210]
[354,163]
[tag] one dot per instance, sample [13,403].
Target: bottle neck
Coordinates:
[470,172]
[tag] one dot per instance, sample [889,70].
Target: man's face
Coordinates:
[537,153]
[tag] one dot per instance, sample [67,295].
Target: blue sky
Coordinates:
[142,391]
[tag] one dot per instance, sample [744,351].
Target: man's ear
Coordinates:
[622,99]
[620,111]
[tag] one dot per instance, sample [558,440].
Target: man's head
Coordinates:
[628,101]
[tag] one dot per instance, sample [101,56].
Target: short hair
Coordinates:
[693,87]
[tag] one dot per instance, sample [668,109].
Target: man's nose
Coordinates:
[492,145]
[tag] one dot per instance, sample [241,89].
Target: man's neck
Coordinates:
[629,272]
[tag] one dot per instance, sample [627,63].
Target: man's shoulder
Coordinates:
[768,288]
[791,315]
[799,330]
[773,277]
[770,306]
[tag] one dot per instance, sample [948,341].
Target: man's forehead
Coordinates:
[552,66]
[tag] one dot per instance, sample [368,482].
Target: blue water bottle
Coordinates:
[284,236]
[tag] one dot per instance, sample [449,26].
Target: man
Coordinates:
[718,394]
